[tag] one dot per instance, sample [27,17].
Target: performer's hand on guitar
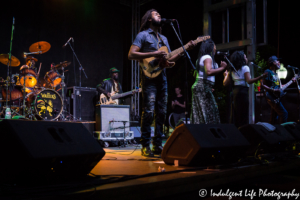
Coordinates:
[159,54]
[163,62]
[191,45]
[294,79]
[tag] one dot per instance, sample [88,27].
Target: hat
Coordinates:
[113,70]
[272,59]
[31,58]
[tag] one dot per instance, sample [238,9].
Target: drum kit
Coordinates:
[29,96]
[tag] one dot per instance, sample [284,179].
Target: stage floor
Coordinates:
[124,174]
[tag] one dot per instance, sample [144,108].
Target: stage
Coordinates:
[124,174]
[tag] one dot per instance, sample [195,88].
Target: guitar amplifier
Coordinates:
[108,117]
[88,98]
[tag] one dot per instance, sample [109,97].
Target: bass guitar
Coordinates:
[275,97]
[153,66]
[113,96]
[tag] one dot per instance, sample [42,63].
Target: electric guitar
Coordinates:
[275,97]
[153,66]
[111,100]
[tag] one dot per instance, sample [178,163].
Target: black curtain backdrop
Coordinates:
[99,29]
[102,36]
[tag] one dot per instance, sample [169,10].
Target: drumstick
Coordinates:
[38,75]
[39,69]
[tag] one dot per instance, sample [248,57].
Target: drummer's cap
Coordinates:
[113,70]
[31,58]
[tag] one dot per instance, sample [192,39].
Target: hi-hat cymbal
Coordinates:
[4,58]
[41,47]
[62,64]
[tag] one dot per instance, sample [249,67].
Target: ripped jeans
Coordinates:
[154,106]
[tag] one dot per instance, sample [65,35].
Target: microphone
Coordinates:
[289,66]
[222,53]
[67,42]
[255,65]
[167,21]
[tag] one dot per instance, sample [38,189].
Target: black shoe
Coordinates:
[157,149]
[146,151]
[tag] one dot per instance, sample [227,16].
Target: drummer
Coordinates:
[30,62]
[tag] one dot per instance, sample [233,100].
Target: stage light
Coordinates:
[282,72]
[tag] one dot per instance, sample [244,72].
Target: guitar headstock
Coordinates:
[203,38]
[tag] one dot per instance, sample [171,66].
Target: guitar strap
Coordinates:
[158,40]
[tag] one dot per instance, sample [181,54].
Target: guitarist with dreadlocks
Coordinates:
[154,90]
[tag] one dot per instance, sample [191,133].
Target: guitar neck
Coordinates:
[288,84]
[180,49]
[117,96]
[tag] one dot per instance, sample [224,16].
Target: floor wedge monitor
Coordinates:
[46,149]
[204,144]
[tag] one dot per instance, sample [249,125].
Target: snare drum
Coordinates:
[47,104]
[30,76]
[53,78]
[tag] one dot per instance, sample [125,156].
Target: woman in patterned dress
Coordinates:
[204,106]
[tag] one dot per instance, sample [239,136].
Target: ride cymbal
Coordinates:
[41,47]
[4,59]
[62,64]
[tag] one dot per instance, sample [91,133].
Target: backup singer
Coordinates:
[204,106]
[240,108]
[154,90]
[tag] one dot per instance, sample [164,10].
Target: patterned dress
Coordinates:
[204,106]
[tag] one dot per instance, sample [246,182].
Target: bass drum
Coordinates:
[47,104]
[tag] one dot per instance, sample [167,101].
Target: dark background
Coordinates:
[102,35]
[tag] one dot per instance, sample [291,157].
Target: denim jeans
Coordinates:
[154,106]
[277,110]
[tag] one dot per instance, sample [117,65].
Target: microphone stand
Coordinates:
[231,94]
[186,56]
[80,69]
[8,64]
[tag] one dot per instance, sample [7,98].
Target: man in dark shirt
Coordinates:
[154,90]
[178,105]
[111,84]
[272,84]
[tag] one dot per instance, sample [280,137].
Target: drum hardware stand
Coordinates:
[124,127]
[80,69]
[8,64]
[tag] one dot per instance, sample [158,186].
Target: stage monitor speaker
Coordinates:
[293,129]
[270,141]
[204,144]
[107,115]
[46,149]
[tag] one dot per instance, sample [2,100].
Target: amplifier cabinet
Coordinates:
[107,117]
[88,101]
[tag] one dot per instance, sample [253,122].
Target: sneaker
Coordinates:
[157,149]
[146,151]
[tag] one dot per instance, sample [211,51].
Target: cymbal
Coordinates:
[4,59]
[41,47]
[62,64]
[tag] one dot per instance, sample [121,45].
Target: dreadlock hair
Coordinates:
[206,48]
[238,59]
[145,23]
